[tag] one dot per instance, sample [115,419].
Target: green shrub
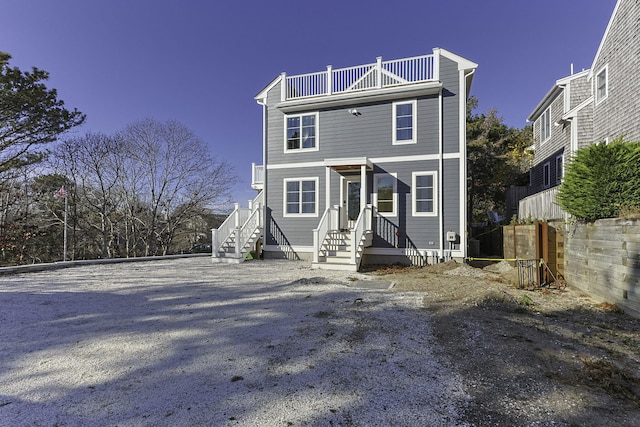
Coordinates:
[602,180]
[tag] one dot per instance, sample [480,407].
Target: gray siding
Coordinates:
[619,114]
[370,134]
[450,77]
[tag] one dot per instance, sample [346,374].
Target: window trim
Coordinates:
[605,70]
[414,193]
[414,123]
[559,170]
[545,117]
[546,175]
[317,132]
[376,178]
[300,214]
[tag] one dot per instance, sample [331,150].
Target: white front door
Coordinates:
[350,201]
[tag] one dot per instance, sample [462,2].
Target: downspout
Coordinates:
[263,103]
[463,159]
[441,174]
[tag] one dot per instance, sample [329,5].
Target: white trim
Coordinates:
[414,122]
[378,160]
[604,69]
[284,197]
[414,175]
[374,191]
[542,127]
[316,136]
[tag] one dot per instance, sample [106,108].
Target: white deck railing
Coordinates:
[330,221]
[237,220]
[379,75]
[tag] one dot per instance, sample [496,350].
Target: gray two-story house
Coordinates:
[365,164]
[592,106]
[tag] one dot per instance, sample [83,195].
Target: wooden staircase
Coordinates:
[336,249]
[239,234]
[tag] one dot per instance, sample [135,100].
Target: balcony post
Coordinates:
[236,212]
[316,245]
[329,79]
[379,72]
[283,87]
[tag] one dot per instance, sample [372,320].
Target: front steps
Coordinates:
[336,252]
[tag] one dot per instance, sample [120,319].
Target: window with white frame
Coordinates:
[404,122]
[385,196]
[301,132]
[545,125]
[301,197]
[559,169]
[602,83]
[546,175]
[424,193]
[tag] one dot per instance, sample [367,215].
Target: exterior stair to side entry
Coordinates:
[239,233]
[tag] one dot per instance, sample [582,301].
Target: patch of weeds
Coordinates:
[607,376]
[631,343]
[526,301]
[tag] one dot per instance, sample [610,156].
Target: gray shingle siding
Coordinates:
[619,113]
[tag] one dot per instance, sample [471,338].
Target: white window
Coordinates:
[602,84]
[301,197]
[545,125]
[546,175]
[404,122]
[301,132]
[559,169]
[424,193]
[385,196]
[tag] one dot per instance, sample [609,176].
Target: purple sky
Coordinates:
[202,62]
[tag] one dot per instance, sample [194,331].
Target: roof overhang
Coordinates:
[347,164]
[365,96]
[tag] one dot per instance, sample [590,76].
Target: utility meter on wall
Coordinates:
[452,236]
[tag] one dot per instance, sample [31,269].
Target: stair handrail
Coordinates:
[247,230]
[362,225]
[330,215]
[235,220]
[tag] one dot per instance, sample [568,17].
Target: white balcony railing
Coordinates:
[379,75]
[257,176]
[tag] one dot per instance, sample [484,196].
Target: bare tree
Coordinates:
[178,177]
[92,163]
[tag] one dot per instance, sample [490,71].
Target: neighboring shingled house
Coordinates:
[361,164]
[595,105]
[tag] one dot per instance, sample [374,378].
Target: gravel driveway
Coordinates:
[186,342]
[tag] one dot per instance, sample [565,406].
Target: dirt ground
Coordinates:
[542,357]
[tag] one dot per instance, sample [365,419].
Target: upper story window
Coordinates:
[302,132]
[602,84]
[404,122]
[423,193]
[385,196]
[545,125]
[301,197]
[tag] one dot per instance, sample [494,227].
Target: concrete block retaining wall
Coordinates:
[603,260]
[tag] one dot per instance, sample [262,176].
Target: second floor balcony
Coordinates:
[379,75]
